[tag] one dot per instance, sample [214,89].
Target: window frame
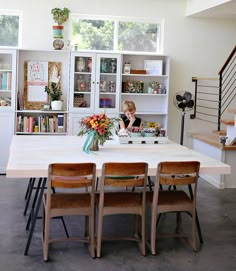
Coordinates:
[116,20]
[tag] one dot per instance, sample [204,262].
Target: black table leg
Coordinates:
[29,193]
[34,212]
[34,203]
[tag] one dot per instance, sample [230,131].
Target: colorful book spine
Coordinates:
[60,118]
[9,78]
[30,124]
[4,81]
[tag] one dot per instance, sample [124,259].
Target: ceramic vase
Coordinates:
[56,105]
[94,146]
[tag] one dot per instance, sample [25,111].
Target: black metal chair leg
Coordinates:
[62,219]
[199,229]
[150,184]
[35,214]
[96,187]
[64,226]
[158,219]
[29,193]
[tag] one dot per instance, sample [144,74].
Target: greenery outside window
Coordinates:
[115,34]
[10,25]
[145,36]
[93,34]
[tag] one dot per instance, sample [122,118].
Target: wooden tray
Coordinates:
[138,72]
[140,140]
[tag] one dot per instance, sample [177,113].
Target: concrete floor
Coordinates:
[216,209]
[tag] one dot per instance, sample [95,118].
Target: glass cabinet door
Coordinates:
[107,83]
[7,79]
[83,82]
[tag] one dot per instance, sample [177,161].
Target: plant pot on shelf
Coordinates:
[57,31]
[56,105]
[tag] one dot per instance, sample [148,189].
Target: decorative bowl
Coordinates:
[149,134]
[138,134]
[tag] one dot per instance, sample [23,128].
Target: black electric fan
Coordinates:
[183,101]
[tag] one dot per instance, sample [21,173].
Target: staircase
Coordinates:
[231,128]
[215,98]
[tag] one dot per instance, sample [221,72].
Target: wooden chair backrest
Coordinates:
[124,174]
[72,175]
[178,173]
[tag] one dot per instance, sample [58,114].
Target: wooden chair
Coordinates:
[123,175]
[69,177]
[177,174]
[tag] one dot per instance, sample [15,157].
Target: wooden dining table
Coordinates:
[30,156]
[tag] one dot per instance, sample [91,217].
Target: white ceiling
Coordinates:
[223,11]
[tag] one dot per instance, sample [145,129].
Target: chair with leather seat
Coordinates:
[116,198]
[181,174]
[76,182]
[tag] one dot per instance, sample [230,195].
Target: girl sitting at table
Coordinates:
[129,120]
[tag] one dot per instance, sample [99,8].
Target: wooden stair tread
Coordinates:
[219,133]
[231,110]
[228,122]
[213,139]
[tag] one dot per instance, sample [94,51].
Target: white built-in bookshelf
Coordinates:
[31,117]
[91,82]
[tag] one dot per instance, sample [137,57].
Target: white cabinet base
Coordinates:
[225,156]
[7,130]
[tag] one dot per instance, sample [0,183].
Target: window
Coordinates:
[144,34]
[115,34]
[93,34]
[10,28]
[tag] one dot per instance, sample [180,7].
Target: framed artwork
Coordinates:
[153,67]
[37,75]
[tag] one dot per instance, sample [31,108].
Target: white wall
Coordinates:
[194,6]
[197,47]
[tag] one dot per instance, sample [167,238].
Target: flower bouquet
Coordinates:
[98,127]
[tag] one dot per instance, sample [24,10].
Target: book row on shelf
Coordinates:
[5,80]
[41,124]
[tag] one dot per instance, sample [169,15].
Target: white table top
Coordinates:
[31,155]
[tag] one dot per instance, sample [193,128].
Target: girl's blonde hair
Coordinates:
[128,106]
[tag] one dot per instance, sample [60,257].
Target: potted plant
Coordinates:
[59,16]
[55,93]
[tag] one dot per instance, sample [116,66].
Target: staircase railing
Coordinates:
[214,95]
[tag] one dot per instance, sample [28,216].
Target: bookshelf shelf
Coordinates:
[41,111]
[34,119]
[47,122]
[39,133]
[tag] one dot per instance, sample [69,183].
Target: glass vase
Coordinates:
[94,146]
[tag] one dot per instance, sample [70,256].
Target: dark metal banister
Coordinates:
[195,80]
[226,93]
[220,97]
[227,60]
[225,68]
[193,116]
